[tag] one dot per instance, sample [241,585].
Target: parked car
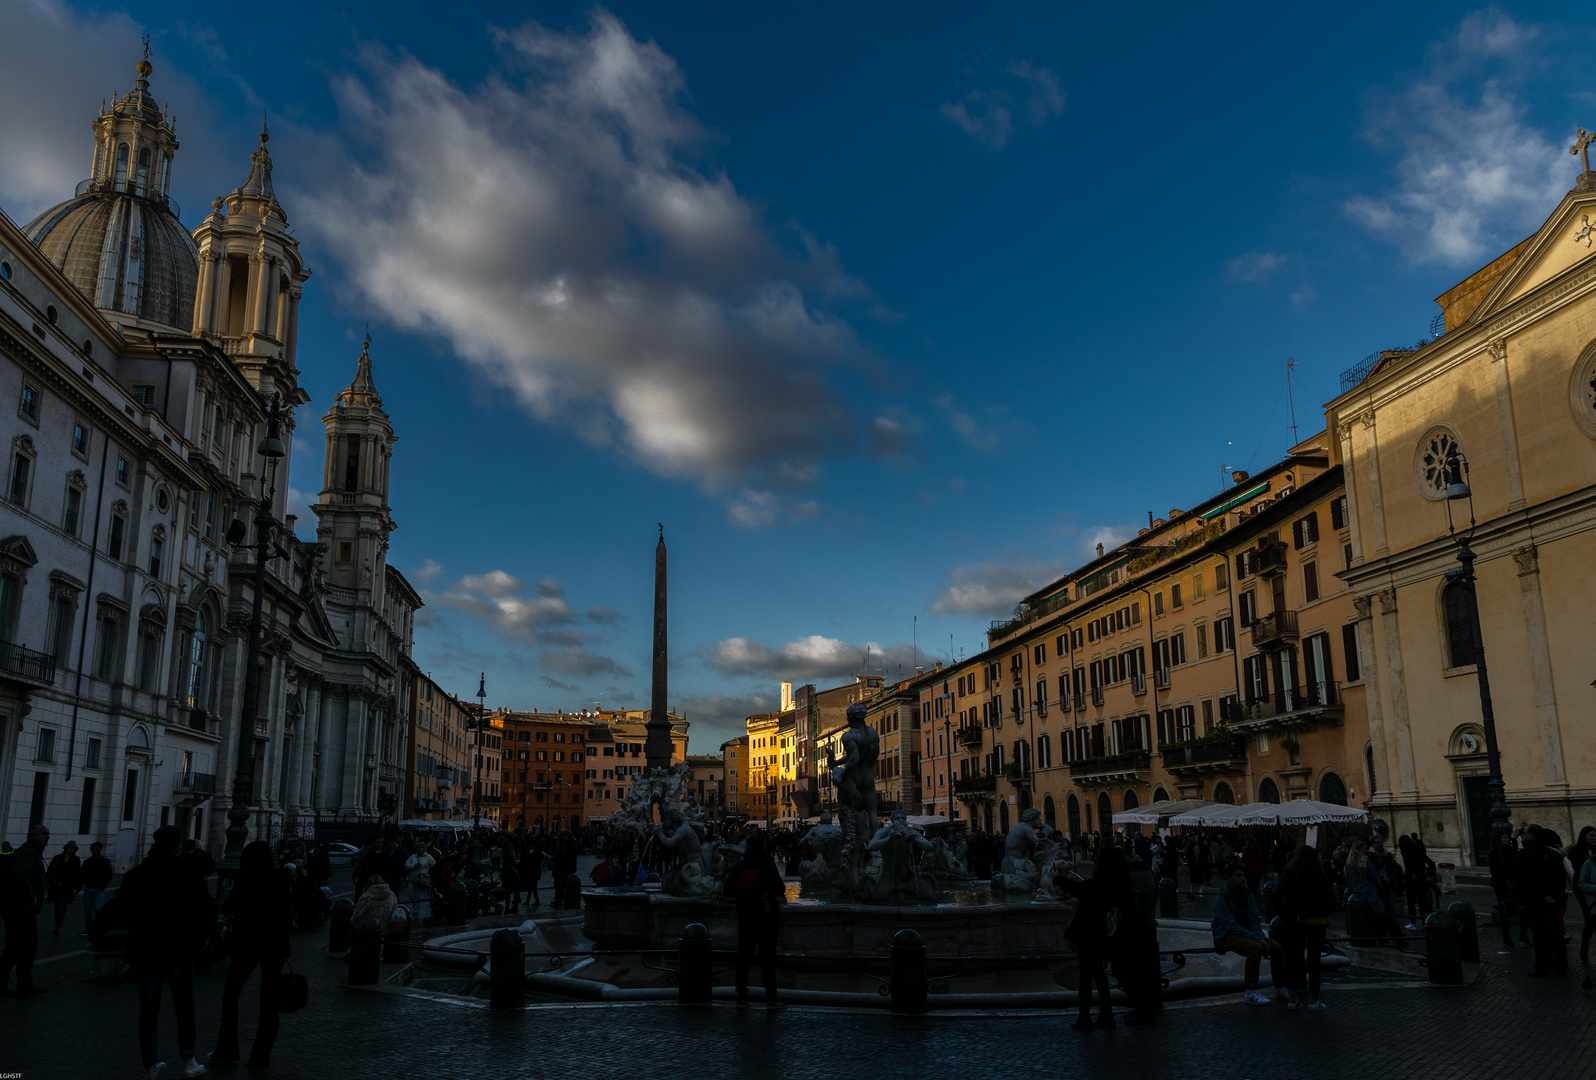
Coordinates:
[342,854]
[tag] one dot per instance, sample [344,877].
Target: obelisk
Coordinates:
[657,747]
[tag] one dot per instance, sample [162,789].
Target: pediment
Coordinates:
[1566,241]
[17,550]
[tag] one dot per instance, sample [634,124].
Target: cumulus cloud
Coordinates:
[1256,267]
[1110,536]
[767,509]
[986,113]
[540,617]
[1473,176]
[815,657]
[429,571]
[983,429]
[992,589]
[575,254]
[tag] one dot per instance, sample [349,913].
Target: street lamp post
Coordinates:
[1458,489]
[482,718]
[947,748]
[270,449]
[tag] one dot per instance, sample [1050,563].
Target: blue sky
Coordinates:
[888,312]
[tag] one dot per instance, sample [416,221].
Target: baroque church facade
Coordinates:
[142,359]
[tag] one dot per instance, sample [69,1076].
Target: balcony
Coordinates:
[1080,702]
[195,783]
[975,785]
[969,737]
[1161,678]
[1128,766]
[1274,630]
[1226,754]
[1138,681]
[1097,696]
[198,720]
[1284,711]
[23,665]
[1271,560]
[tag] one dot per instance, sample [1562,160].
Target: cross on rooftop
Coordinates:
[1581,147]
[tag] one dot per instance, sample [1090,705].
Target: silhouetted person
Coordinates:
[169,916]
[759,892]
[261,907]
[21,899]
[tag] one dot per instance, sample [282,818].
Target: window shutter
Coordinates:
[1241,565]
[1296,534]
[1310,581]
[1352,661]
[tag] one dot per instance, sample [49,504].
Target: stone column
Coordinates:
[221,313]
[354,754]
[207,287]
[1504,413]
[1540,655]
[260,270]
[1371,453]
[291,342]
[1374,707]
[1399,692]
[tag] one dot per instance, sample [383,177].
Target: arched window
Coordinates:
[121,163]
[196,664]
[1160,795]
[1268,791]
[1459,624]
[1049,812]
[1223,794]
[1072,814]
[1105,812]
[1131,801]
[144,172]
[1332,790]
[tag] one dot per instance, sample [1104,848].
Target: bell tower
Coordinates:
[251,279]
[352,510]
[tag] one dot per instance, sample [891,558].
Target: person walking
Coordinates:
[531,869]
[756,887]
[1136,964]
[1238,927]
[1382,869]
[261,907]
[1502,860]
[64,879]
[1106,901]
[97,872]
[418,878]
[169,915]
[1581,856]
[1305,899]
[1540,879]
[21,899]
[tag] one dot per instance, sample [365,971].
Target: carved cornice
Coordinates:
[1388,601]
[1528,559]
[1364,606]
[1497,349]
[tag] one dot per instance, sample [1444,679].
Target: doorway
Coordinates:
[1477,801]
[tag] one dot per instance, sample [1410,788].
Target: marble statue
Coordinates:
[1019,871]
[856,781]
[890,873]
[827,841]
[690,876]
[633,825]
[943,864]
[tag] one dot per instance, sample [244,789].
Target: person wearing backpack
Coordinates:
[756,887]
[1101,922]
[22,892]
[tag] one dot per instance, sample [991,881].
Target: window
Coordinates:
[144,171]
[1177,648]
[1305,531]
[148,657]
[63,606]
[105,645]
[1222,576]
[1196,588]
[86,809]
[196,663]
[1208,717]
[1224,635]
[1255,670]
[1062,644]
[1352,659]
[346,554]
[130,793]
[1041,697]
[21,467]
[118,537]
[91,754]
[1246,564]
[144,394]
[122,471]
[1158,604]
[1338,513]
[210,515]
[1249,608]
[194,508]
[156,544]
[72,518]
[80,439]
[1174,597]
[28,407]
[219,426]
[1185,723]
[1202,640]
[1039,655]
[1310,582]
[1459,625]
[45,750]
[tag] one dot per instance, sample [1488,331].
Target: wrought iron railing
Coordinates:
[26,663]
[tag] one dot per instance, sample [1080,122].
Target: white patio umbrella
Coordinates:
[1299,812]
[1217,816]
[1154,813]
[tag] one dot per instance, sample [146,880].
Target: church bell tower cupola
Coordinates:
[251,279]
[352,510]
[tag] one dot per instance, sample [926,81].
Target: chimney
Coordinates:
[1099,551]
[1239,476]
[786,696]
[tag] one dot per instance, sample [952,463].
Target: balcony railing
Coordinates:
[1114,764]
[968,736]
[197,783]
[1275,629]
[26,664]
[1271,560]
[1097,696]
[1206,753]
[974,785]
[1138,681]
[1161,678]
[1311,698]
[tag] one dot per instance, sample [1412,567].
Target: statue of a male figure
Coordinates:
[856,779]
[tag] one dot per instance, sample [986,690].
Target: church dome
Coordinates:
[124,252]
[118,239]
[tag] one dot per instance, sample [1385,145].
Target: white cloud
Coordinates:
[767,509]
[540,617]
[986,113]
[574,254]
[815,657]
[1256,266]
[1473,176]
[1110,536]
[992,589]
[985,430]
[429,572]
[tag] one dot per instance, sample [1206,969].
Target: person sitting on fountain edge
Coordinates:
[759,893]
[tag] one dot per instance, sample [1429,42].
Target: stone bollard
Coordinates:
[1440,946]
[457,904]
[338,926]
[507,976]
[396,947]
[365,952]
[1168,901]
[1468,932]
[909,986]
[1268,892]
[1360,919]
[695,966]
[473,898]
